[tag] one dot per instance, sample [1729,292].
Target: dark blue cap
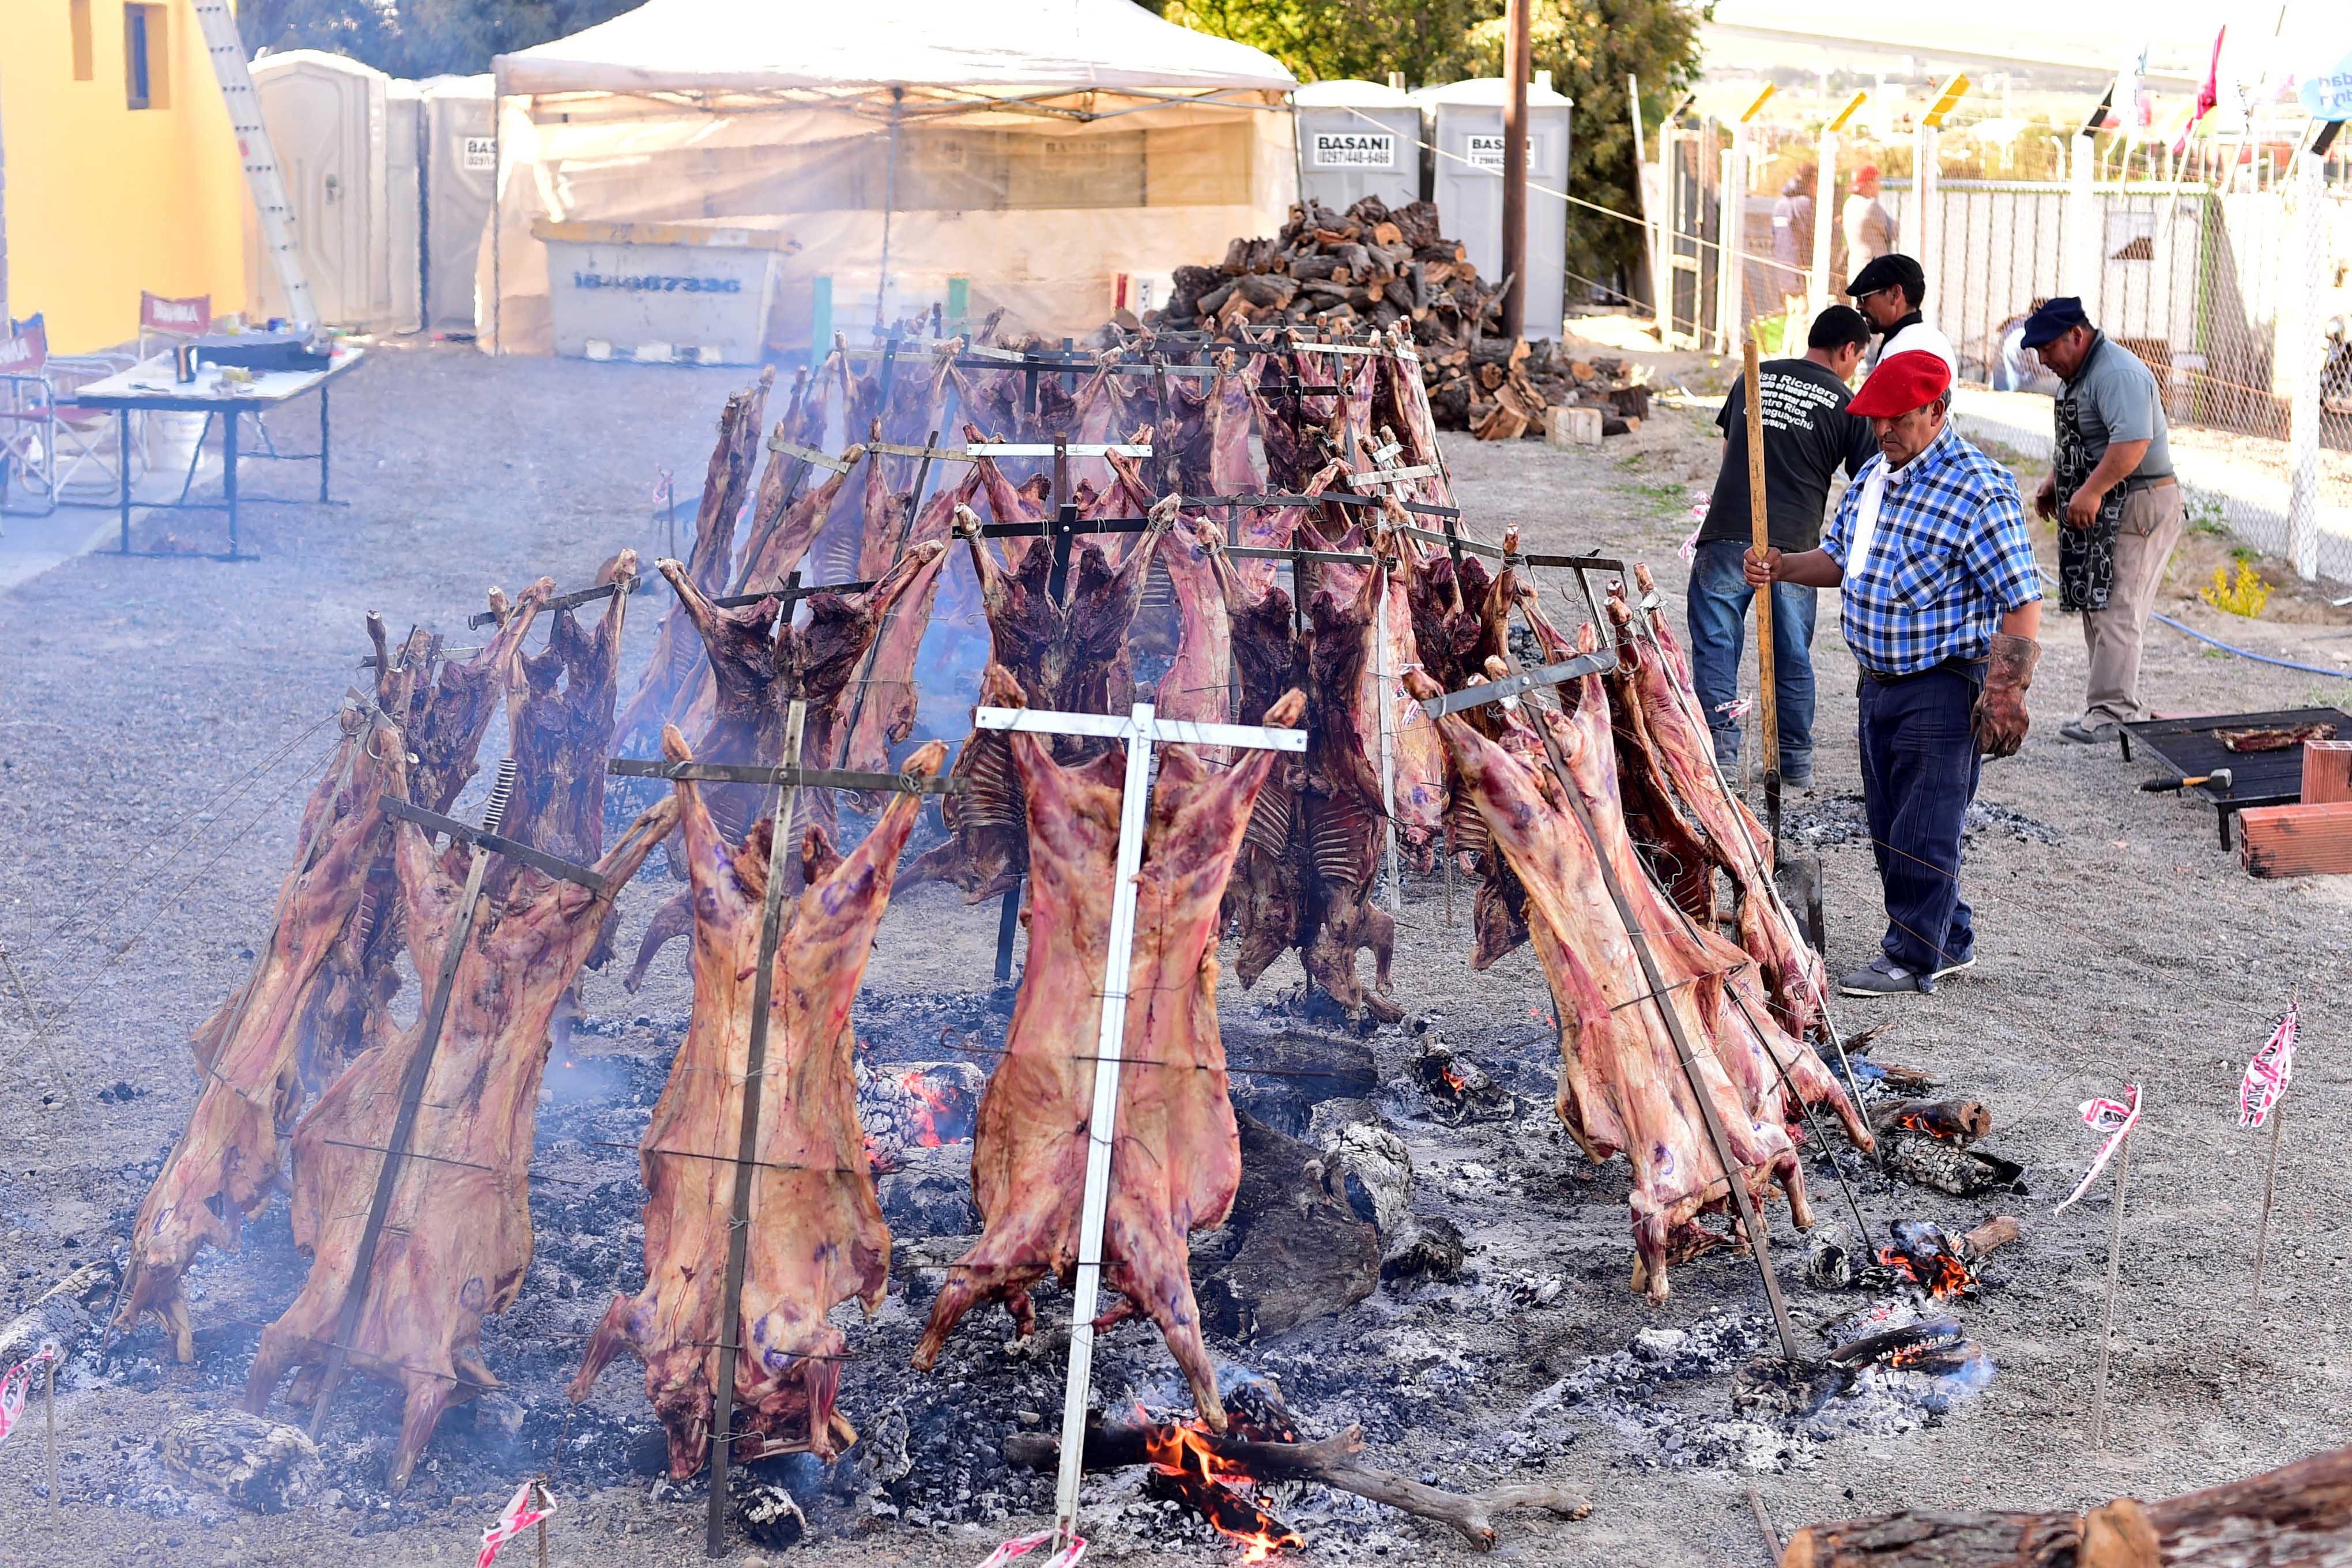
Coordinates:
[2053,319]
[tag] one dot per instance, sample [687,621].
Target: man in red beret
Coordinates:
[1942,603]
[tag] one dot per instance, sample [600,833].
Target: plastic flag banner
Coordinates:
[2116,1120]
[2270,1071]
[1736,710]
[16,1386]
[1688,548]
[531,1503]
[1021,1546]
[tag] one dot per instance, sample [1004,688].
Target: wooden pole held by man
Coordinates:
[1516,62]
[1768,706]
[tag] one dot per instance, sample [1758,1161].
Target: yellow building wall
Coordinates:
[105,200]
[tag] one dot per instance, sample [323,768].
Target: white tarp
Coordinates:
[1036,151]
[725,46]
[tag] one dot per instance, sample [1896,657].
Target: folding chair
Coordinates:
[56,437]
[28,419]
[165,322]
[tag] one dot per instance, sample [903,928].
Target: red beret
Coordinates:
[1912,379]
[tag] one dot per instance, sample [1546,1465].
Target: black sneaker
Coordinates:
[1965,961]
[1885,977]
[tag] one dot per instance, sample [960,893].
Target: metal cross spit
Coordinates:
[787,781]
[1139,731]
[486,841]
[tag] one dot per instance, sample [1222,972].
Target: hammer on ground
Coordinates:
[2218,779]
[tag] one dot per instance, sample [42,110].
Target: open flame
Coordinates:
[1941,1273]
[1214,1485]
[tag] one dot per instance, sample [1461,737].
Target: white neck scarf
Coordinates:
[1865,524]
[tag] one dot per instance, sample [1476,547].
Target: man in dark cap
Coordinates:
[1808,437]
[2111,486]
[1942,604]
[1889,291]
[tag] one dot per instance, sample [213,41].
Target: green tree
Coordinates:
[1589,45]
[419,37]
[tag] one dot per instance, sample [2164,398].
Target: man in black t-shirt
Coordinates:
[1808,437]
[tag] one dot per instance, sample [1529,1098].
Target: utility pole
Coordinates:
[1516,50]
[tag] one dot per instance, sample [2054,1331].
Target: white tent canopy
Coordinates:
[722,46]
[1025,155]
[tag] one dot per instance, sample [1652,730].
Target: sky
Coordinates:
[2179,34]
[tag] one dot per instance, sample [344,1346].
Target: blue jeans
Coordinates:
[1719,596]
[1919,774]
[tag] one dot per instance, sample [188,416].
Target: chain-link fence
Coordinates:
[2229,299]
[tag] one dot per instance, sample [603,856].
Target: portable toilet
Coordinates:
[404,205]
[1464,124]
[328,119]
[1357,139]
[460,159]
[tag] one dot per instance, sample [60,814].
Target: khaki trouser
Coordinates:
[2144,543]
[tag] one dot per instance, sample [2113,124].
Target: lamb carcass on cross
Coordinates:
[456,1240]
[757,671]
[817,1235]
[1062,654]
[226,1166]
[1176,1154]
[1623,1086]
[674,674]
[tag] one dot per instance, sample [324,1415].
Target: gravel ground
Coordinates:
[2121,946]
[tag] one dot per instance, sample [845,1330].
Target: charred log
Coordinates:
[1332,1462]
[2300,1515]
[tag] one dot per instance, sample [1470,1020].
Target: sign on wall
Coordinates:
[479,155]
[1351,150]
[1485,151]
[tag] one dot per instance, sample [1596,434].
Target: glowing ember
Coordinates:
[937,1111]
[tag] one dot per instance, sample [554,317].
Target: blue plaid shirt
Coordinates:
[1950,556]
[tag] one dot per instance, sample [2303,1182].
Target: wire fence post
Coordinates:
[2082,229]
[2306,261]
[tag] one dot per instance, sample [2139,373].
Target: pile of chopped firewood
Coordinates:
[1373,266]
[1368,267]
[1498,389]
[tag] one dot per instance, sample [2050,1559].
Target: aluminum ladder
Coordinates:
[259,157]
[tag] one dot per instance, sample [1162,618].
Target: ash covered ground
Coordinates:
[2118,945]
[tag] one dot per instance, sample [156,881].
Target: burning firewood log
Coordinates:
[2299,1514]
[1176,1162]
[1955,1122]
[818,1237]
[1179,1449]
[459,1240]
[226,1166]
[1622,1088]
[669,679]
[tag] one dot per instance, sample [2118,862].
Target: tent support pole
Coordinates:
[889,205]
[497,217]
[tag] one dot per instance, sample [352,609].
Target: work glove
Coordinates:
[1999,721]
